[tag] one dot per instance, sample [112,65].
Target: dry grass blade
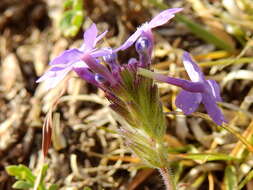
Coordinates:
[48,123]
[47,133]
[211,181]
[240,137]
[239,74]
[213,55]
[58,139]
[125,159]
[247,179]
[229,129]
[228,61]
[139,178]
[202,9]
[247,134]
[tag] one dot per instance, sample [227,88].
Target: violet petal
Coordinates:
[212,109]
[53,78]
[99,37]
[100,53]
[67,56]
[58,67]
[188,101]
[215,88]
[130,40]
[50,73]
[192,68]
[90,35]
[163,17]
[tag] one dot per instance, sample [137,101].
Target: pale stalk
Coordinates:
[166,178]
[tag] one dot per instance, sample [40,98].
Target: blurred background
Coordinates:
[86,152]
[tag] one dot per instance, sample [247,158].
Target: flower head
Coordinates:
[145,29]
[72,59]
[198,90]
[189,101]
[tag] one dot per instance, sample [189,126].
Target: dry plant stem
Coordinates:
[166,178]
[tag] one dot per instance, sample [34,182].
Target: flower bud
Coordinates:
[110,58]
[143,45]
[132,61]
[100,79]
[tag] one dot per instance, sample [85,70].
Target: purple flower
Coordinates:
[72,59]
[145,29]
[198,90]
[189,101]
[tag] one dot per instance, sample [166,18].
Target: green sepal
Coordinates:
[141,98]
[138,103]
[150,151]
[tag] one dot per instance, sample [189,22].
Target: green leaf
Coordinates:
[66,19]
[77,19]
[87,188]
[230,178]
[198,181]
[39,184]
[178,169]
[44,172]
[68,4]
[71,22]
[208,156]
[78,4]
[22,185]
[181,149]
[53,187]
[21,172]
[72,19]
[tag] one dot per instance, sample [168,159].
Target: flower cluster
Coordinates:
[76,59]
[131,89]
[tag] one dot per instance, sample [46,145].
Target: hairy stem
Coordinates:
[166,178]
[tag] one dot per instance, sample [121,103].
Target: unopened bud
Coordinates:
[143,44]
[132,61]
[110,58]
[100,79]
